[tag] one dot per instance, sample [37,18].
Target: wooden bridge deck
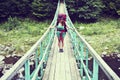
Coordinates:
[61,66]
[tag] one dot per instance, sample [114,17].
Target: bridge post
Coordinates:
[81,56]
[40,57]
[41,51]
[27,70]
[95,70]
[36,60]
[75,46]
[40,73]
[87,52]
[72,36]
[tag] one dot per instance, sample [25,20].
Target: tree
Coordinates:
[112,7]
[14,8]
[4,4]
[85,9]
[43,8]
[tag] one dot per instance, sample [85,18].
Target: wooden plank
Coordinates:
[73,71]
[67,62]
[62,64]
[49,63]
[53,64]
[57,69]
[62,9]
[73,66]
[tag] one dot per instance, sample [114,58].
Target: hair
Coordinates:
[61,18]
[62,22]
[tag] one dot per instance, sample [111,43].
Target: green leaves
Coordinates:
[112,7]
[102,35]
[14,8]
[12,23]
[85,9]
[43,9]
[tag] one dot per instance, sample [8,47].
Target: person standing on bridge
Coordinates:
[61,32]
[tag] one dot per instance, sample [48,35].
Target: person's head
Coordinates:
[62,22]
[62,17]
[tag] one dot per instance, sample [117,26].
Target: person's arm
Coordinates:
[55,26]
[67,26]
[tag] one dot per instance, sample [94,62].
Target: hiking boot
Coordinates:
[60,50]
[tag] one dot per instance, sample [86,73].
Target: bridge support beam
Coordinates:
[95,70]
[87,52]
[27,70]
[82,57]
[41,51]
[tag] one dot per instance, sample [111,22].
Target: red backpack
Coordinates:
[62,17]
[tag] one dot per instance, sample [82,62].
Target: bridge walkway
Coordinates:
[61,66]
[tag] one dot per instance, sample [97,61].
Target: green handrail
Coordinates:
[81,51]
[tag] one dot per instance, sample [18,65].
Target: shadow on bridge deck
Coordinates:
[61,66]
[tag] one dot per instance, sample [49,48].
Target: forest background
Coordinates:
[45,9]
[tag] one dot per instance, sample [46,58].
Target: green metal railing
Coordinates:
[82,50]
[40,51]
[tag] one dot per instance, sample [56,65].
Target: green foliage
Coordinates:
[102,35]
[28,8]
[14,8]
[23,38]
[92,31]
[118,24]
[85,9]
[34,28]
[12,23]
[112,7]
[4,6]
[43,8]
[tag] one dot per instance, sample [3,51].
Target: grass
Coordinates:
[26,34]
[103,36]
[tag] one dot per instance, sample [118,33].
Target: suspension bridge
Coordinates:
[50,64]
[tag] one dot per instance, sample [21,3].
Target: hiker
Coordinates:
[61,32]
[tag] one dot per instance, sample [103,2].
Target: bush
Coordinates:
[118,23]
[12,23]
